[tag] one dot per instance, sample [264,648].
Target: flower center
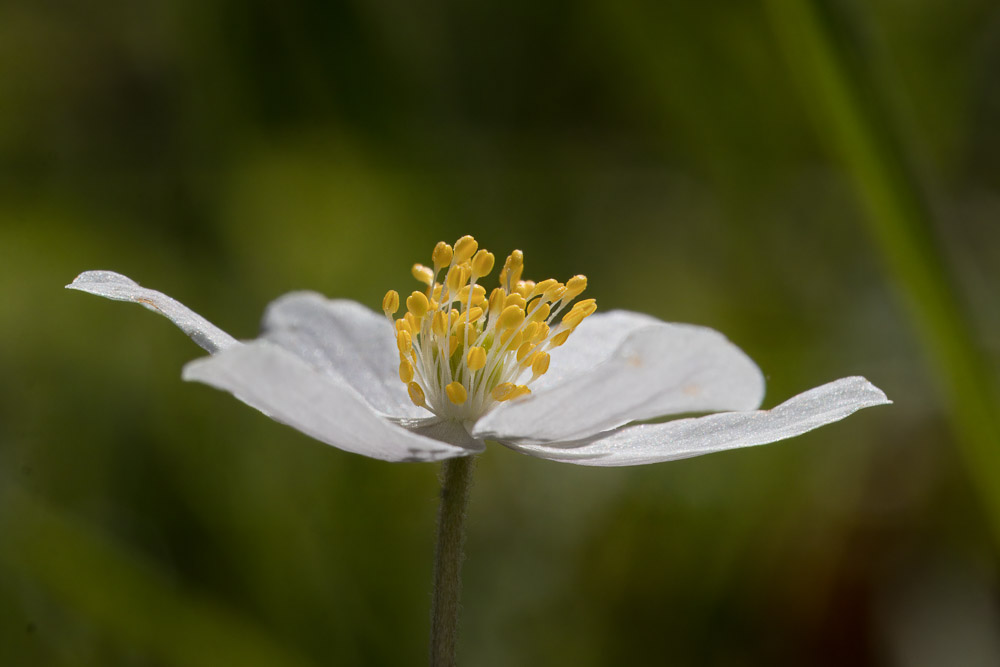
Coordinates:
[461,353]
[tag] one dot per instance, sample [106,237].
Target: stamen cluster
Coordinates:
[461,353]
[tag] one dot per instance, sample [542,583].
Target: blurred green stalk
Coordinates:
[854,117]
[105,584]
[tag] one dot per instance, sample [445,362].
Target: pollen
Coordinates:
[461,353]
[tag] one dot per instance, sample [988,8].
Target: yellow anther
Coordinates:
[579,312]
[461,330]
[472,315]
[514,300]
[417,304]
[454,281]
[524,287]
[511,339]
[476,358]
[465,248]
[511,317]
[405,371]
[454,342]
[541,334]
[412,322]
[573,318]
[574,286]
[557,294]
[441,256]
[402,325]
[436,292]
[496,301]
[439,325]
[560,338]
[512,268]
[503,391]
[540,313]
[543,287]
[404,342]
[416,394]
[423,274]
[524,350]
[478,294]
[529,330]
[482,264]
[456,392]
[516,269]
[390,302]
[541,364]
[587,306]
[519,390]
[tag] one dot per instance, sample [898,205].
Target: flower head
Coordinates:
[520,366]
[461,354]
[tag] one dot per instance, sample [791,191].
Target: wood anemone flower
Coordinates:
[459,368]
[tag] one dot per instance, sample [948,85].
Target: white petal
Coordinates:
[683,438]
[345,340]
[657,369]
[289,390]
[116,286]
[594,341]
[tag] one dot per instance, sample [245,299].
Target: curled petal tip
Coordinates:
[90,281]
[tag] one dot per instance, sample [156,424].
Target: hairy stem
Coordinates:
[456,481]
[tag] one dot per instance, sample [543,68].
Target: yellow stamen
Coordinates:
[482,264]
[454,280]
[390,303]
[514,299]
[404,342]
[478,294]
[540,313]
[503,391]
[416,394]
[459,352]
[465,248]
[575,286]
[441,256]
[417,304]
[496,302]
[540,365]
[511,317]
[560,338]
[439,325]
[519,390]
[543,287]
[456,392]
[423,274]
[476,358]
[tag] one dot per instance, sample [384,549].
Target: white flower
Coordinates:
[443,378]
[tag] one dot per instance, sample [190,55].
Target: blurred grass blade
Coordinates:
[131,601]
[854,116]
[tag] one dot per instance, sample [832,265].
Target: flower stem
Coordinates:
[456,481]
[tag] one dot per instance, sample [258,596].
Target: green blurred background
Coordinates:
[818,180]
